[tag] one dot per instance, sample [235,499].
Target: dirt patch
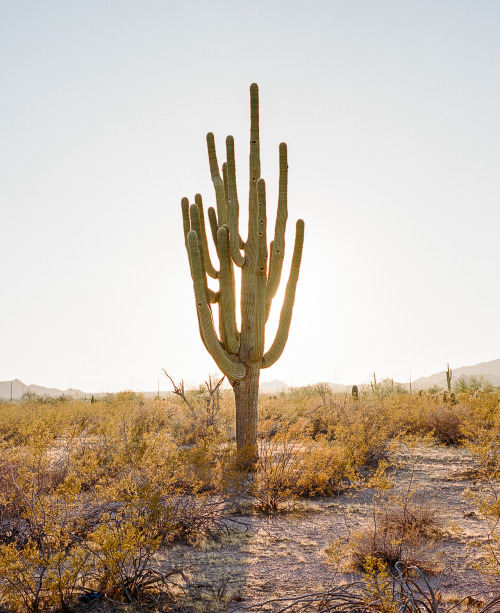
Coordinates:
[271,557]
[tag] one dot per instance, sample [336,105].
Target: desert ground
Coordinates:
[129,503]
[285,555]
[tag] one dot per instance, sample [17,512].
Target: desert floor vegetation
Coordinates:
[124,502]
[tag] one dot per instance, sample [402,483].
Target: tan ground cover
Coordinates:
[125,497]
[273,557]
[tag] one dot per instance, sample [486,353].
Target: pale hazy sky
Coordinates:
[391,114]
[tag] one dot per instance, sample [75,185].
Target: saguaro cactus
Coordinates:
[240,353]
[449,374]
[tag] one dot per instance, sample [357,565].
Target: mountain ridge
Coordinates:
[489,370]
[17,388]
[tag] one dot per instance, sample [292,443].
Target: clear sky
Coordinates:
[390,111]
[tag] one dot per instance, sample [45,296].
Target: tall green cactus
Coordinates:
[449,374]
[240,353]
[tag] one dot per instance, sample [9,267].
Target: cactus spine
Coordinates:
[240,354]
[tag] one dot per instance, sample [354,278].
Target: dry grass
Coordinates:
[402,528]
[92,495]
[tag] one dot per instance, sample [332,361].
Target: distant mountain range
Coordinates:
[489,370]
[276,386]
[273,387]
[17,388]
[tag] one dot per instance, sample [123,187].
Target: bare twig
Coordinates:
[179,391]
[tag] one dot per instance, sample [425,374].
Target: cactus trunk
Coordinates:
[246,395]
[240,354]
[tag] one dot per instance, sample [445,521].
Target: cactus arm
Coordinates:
[203,236]
[278,244]
[233,370]
[212,296]
[261,275]
[225,179]
[227,303]
[226,186]
[212,219]
[192,267]
[194,215]
[185,218]
[216,180]
[278,345]
[275,268]
[233,207]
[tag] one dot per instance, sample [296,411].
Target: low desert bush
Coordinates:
[290,467]
[404,528]
[86,506]
[445,422]
[367,425]
[364,431]
[273,485]
[323,469]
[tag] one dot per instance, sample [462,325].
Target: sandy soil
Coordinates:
[270,557]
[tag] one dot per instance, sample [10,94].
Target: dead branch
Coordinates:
[179,391]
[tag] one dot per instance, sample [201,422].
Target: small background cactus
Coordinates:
[449,375]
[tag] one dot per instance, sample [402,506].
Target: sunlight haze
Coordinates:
[390,113]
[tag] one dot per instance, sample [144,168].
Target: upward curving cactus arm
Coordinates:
[212,220]
[194,216]
[185,218]
[226,185]
[278,244]
[233,207]
[211,271]
[216,180]
[227,311]
[278,345]
[233,370]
